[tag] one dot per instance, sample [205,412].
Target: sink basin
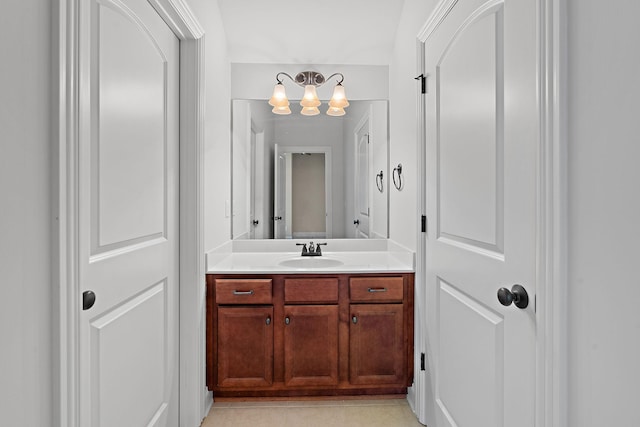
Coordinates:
[308,262]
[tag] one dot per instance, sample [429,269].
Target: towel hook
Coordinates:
[398,169]
[379,182]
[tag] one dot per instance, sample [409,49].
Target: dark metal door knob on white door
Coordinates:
[88,299]
[517,295]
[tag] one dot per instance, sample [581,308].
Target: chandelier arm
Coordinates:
[284,74]
[334,75]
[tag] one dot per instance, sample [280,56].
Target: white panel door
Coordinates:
[128,212]
[362,191]
[482,134]
[280,194]
[253,216]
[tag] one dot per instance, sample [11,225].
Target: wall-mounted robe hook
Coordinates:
[398,169]
[379,182]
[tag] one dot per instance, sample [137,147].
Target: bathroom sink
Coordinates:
[309,262]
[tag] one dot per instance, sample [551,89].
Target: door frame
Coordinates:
[552,212]
[66,77]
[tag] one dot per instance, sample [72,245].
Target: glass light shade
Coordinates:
[310,111]
[338,99]
[279,97]
[310,98]
[281,110]
[335,111]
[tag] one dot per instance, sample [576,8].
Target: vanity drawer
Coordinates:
[311,290]
[243,291]
[380,289]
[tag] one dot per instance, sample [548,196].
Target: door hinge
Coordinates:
[423,83]
[422,362]
[423,222]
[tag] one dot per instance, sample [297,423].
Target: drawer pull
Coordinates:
[268,321]
[243,292]
[354,319]
[287,320]
[377,289]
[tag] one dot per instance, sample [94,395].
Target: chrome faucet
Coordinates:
[312,250]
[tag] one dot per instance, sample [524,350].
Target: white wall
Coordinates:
[404,211]
[241,166]
[403,93]
[25,208]
[604,213]
[217,132]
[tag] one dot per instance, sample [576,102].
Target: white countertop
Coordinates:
[382,259]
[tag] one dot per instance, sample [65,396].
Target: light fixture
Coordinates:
[310,102]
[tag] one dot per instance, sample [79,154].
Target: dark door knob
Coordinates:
[517,295]
[277,218]
[356,221]
[255,222]
[88,299]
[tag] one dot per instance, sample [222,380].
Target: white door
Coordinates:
[128,212]
[279,194]
[254,222]
[482,134]
[362,190]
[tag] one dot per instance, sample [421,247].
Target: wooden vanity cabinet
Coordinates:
[309,335]
[311,331]
[245,346]
[244,333]
[377,331]
[311,345]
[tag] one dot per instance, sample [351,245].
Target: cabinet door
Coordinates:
[376,344]
[311,345]
[245,346]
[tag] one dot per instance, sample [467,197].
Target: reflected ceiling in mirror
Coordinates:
[289,171]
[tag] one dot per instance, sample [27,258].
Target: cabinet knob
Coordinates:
[268,321]
[286,320]
[354,319]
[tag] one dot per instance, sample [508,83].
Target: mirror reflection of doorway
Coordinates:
[308,215]
[302,192]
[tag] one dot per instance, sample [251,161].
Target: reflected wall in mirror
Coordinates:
[298,177]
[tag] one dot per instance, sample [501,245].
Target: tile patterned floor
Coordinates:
[321,413]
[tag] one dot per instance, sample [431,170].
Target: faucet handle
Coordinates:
[304,247]
[318,250]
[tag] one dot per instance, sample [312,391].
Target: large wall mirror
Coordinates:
[319,177]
